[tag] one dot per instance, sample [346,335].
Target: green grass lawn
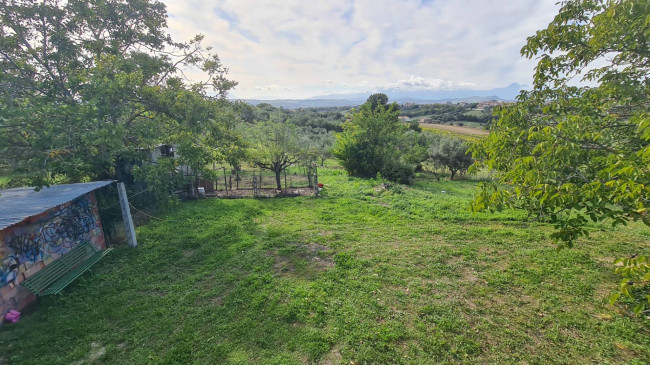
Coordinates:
[475,113]
[363,273]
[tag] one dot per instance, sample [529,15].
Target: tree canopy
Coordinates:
[275,146]
[374,141]
[87,85]
[576,148]
[451,153]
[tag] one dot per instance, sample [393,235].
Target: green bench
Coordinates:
[58,274]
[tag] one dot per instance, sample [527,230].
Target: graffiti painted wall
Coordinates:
[27,247]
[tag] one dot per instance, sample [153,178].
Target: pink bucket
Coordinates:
[12,316]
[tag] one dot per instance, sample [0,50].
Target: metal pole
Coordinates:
[129,229]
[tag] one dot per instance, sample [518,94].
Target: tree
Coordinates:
[372,142]
[451,153]
[87,86]
[317,144]
[576,148]
[275,146]
[377,100]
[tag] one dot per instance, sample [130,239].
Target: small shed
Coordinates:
[37,227]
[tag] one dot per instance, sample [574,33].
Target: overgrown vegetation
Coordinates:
[374,142]
[371,272]
[578,154]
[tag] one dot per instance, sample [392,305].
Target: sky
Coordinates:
[299,49]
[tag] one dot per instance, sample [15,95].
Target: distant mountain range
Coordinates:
[399,96]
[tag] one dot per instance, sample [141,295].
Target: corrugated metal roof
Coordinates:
[19,204]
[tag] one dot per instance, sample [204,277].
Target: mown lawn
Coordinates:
[363,274]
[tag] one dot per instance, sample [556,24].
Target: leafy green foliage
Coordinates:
[87,86]
[329,119]
[374,142]
[317,144]
[578,154]
[450,152]
[275,145]
[635,271]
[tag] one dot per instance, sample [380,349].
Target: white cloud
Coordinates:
[421,83]
[445,43]
[272,87]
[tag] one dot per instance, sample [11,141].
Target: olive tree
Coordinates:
[275,145]
[451,153]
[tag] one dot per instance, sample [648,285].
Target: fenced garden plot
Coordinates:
[295,180]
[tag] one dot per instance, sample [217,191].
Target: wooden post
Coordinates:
[316,184]
[129,229]
[225,182]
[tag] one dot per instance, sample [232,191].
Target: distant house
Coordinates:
[488,104]
[403,118]
[37,227]
[425,120]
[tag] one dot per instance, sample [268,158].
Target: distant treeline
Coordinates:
[442,113]
[331,118]
[328,118]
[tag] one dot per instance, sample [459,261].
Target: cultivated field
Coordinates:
[368,273]
[455,129]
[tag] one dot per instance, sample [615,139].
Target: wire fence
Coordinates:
[250,179]
[294,181]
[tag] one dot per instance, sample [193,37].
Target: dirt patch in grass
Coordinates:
[332,358]
[303,257]
[219,299]
[153,293]
[96,352]
[264,193]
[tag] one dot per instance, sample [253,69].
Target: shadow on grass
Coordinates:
[199,286]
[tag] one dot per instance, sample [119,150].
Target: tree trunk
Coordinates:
[278,179]
[453,173]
